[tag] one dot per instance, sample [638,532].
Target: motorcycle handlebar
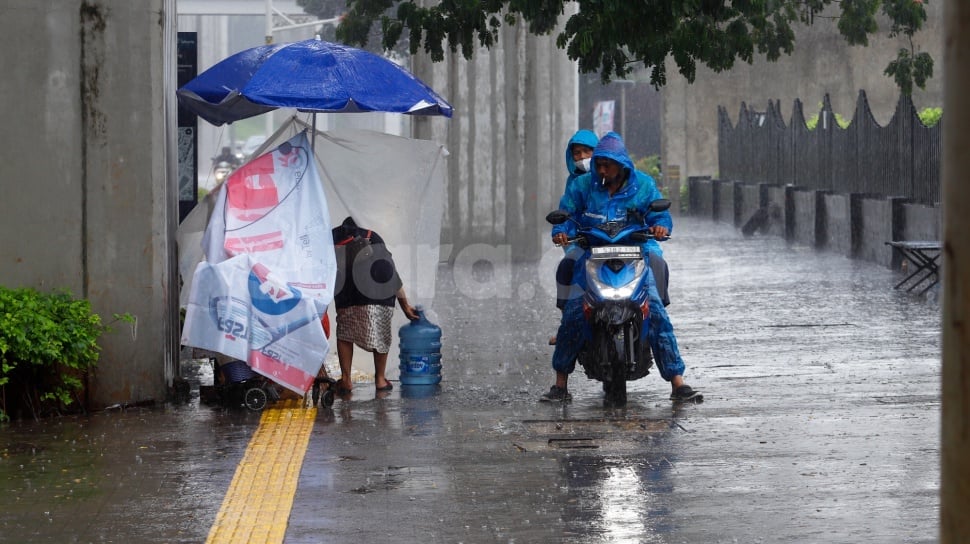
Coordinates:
[580,240]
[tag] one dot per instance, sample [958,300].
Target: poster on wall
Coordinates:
[188,67]
[603,117]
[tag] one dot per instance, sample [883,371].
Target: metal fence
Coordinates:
[900,159]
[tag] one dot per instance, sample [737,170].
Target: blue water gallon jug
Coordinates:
[420,345]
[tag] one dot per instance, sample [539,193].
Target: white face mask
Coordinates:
[583,165]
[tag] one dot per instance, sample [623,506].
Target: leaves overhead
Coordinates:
[616,37]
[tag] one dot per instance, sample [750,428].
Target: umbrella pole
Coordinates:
[313,137]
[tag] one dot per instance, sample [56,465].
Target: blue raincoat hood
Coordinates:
[584,137]
[611,147]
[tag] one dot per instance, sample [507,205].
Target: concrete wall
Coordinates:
[515,109]
[854,225]
[87,163]
[821,64]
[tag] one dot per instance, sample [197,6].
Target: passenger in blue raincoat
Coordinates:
[605,194]
[579,153]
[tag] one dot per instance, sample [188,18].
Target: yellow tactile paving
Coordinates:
[257,505]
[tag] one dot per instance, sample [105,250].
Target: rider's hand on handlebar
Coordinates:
[659,231]
[560,239]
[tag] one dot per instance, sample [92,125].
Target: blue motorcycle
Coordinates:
[615,299]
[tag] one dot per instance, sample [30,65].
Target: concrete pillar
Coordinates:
[673,136]
[90,202]
[955,432]
[515,109]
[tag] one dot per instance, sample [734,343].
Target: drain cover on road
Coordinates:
[590,434]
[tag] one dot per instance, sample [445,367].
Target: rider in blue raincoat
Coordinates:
[606,194]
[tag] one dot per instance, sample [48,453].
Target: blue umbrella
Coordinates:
[312,76]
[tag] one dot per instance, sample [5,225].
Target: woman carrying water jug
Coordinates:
[367,287]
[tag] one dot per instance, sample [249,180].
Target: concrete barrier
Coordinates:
[749,201]
[775,198]
[837,224]
[872,227]
[700,197]
[855,225]
[724,211]
[920,222]
[803,217]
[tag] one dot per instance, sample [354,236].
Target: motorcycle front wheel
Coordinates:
[615,387]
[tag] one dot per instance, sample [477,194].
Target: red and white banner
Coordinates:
[603,117]
[269,270]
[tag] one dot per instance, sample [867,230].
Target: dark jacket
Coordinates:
[366,273]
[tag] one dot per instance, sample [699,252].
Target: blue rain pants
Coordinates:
[574,332]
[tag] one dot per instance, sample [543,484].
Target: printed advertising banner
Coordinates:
[267,279]
[603,117]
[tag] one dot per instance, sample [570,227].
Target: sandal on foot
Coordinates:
[387,387]
[341,390]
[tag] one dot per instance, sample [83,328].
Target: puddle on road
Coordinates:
[413,479]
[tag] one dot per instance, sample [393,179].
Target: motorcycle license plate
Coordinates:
[616,252]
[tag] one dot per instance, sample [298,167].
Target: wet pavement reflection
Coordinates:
[820,424]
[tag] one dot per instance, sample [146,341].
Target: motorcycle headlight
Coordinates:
[608,290]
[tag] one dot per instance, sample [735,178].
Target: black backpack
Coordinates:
[359,253]
[358,246]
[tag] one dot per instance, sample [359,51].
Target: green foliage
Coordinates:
[371,29]
[910,68]
[812,121]
[650,165]
[858,21]
[614,37]
[930,116]
[684,198]
[47,343]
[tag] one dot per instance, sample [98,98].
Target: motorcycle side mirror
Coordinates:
[659,205]
[557,217]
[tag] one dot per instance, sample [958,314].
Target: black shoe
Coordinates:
[685,393]
[556,394]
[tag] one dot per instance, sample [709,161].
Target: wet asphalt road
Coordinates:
[820,424]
